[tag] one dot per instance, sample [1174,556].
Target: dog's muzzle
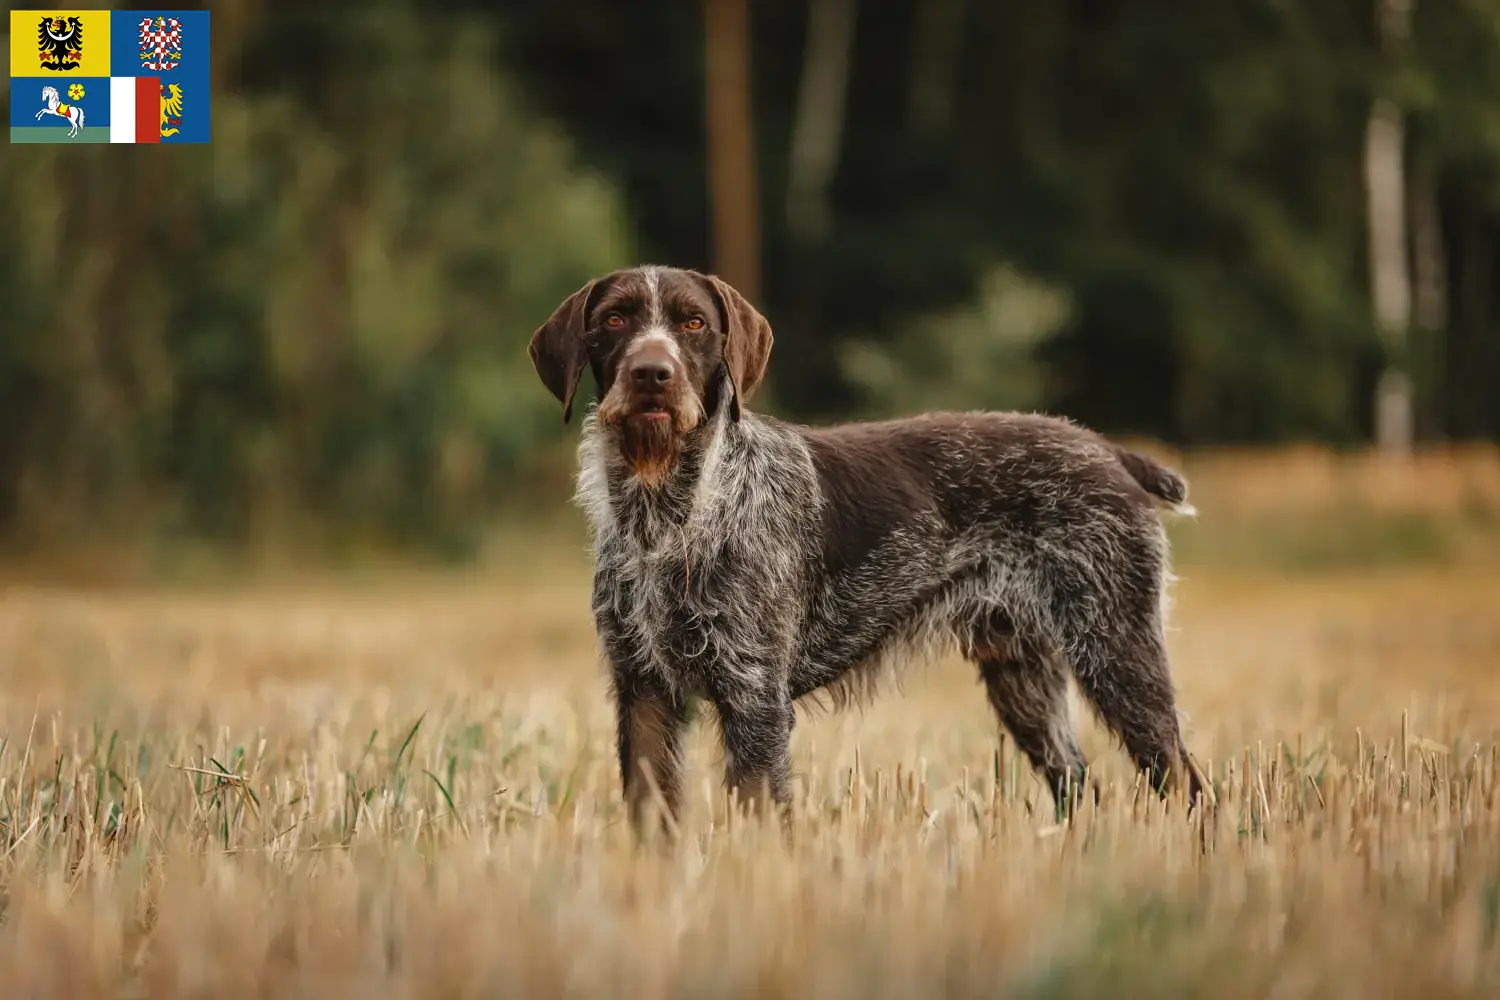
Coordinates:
[655,378]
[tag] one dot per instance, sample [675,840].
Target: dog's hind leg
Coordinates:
[1120,662]
[1029,692]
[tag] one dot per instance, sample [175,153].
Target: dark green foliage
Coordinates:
[1192,179]
[324,312]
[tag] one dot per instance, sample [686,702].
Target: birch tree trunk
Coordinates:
[731,145]
[818,130]
[1390,281]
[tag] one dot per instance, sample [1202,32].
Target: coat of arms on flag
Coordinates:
[161,43]
[59,42]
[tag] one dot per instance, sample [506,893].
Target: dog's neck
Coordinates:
[619,503]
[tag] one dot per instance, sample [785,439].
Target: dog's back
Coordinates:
[979,462]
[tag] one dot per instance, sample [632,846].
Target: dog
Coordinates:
[750,562]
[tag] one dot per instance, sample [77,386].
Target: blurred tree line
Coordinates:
[1153,218]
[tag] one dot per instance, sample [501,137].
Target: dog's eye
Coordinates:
[695,324]
[614,321]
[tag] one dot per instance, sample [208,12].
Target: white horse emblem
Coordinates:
[72,112]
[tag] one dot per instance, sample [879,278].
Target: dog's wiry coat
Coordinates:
[773,562]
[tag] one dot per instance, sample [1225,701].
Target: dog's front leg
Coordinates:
[755,722]
[651,724]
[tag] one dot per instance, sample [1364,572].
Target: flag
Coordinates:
[122,76]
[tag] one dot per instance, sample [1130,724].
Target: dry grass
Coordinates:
[409,791]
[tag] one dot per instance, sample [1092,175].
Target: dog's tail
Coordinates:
[1156,479]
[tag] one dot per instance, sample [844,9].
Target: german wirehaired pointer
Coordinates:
[751,562]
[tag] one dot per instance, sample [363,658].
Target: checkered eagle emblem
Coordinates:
[161,43]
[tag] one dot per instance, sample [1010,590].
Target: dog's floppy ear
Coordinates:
[747,341]
[557,347]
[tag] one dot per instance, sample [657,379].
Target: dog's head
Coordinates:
[658,340]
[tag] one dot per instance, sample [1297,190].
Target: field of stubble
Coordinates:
[408,789]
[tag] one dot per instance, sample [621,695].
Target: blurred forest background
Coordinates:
[1247,222]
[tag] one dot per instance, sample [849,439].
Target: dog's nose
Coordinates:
[651,372]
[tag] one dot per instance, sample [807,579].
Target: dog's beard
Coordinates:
[651,446]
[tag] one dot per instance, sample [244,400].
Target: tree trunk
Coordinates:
[935,50]
[731,146]
[1390,281]
[819,127]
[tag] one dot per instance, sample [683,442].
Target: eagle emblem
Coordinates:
[171,109]
[59,42]
[161,43]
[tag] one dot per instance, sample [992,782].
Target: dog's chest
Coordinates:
[668,602]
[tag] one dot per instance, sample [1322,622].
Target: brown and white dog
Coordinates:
[751,562]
